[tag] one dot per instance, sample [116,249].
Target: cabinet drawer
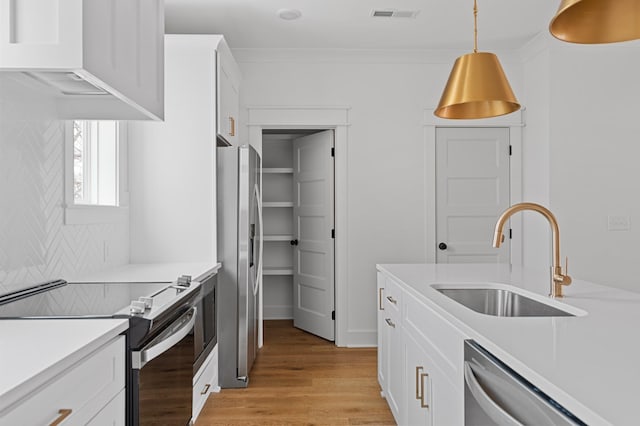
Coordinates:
[392,298]
[84,390]
[205,382]
[113,414]
[443,342]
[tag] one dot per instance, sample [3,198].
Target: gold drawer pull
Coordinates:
[390,323]
[232,126]
[422,395]
[206,389]
[380,290]
[63,413]
[418,370]
[392,300]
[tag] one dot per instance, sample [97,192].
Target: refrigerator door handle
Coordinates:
[256,191]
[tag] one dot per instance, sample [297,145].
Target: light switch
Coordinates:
[618,223]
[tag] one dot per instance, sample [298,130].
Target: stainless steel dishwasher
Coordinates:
[494,394]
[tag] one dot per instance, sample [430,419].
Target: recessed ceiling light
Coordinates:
[289,14]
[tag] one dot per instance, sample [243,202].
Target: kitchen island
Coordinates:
[587,362]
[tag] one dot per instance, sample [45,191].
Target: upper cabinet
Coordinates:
[228,92]
[96,59]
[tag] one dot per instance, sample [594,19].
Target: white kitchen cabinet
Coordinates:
[228,83]
[390,361]
[172,164]
[383,336]
[418,370]
[113,413]
[420,358]
[204,382]
[91,392]
[96,59]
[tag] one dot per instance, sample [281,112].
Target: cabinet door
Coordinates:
[431,398]
[418,377]
[228,104]
[383,335]
[395,367]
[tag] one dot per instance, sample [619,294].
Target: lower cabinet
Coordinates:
[431,397]
[204,382]
[91,392]
[418,353]
[418,376]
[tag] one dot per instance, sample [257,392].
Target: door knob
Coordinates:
[442,246]
[294,242]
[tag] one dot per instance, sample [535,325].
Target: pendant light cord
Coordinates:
[475,26]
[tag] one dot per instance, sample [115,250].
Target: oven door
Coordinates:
[163,375]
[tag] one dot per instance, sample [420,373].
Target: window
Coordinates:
[95,171]
[95,162]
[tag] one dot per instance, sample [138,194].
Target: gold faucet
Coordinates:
[558,279]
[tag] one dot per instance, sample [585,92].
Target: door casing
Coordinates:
[322,118]
[515,122]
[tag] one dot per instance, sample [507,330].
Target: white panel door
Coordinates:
[472,190]
[313,254]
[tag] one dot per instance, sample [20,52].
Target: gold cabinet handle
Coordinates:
[418,394]
[392,300]
[390,323]
[422,395]
[232,126]
[380,290]
[63,413]
[206,389]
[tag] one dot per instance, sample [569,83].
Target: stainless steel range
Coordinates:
[160,338]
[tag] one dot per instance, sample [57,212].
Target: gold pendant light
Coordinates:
[477,86]
[596,21]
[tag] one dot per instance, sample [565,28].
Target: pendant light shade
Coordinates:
[477,86]
[596,21]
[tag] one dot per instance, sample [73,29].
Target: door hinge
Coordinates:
[510,234]
[333,233]
[333,315]
[333,152]
[510,149]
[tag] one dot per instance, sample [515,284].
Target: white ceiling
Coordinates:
[347,24]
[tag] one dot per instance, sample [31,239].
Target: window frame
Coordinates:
[82,214]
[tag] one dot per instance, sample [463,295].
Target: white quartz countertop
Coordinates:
[148,272]
[33,352]
[590,364]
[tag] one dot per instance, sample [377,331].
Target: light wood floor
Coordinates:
[300,379]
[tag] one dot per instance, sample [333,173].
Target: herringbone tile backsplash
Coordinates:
[35,244]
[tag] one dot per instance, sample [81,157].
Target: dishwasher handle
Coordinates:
[488,405]
[183,327]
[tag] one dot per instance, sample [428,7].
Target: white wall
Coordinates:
[35,244]
[595,157]
[536,239]
[388,93]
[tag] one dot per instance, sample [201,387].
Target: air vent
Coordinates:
[390,13]
[68,83]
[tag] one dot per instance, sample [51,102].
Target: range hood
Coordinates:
[95,59]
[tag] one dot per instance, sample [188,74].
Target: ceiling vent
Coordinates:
[390,13]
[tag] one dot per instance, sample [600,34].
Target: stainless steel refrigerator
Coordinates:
[240,251]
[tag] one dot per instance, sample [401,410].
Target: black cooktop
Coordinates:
[88,299]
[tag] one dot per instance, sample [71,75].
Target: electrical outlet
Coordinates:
[618,223]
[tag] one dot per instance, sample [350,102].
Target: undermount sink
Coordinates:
[501,302]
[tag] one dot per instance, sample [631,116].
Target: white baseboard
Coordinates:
[278,312]
[360,339]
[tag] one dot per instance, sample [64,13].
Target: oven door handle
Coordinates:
[140,358]
[488,405]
